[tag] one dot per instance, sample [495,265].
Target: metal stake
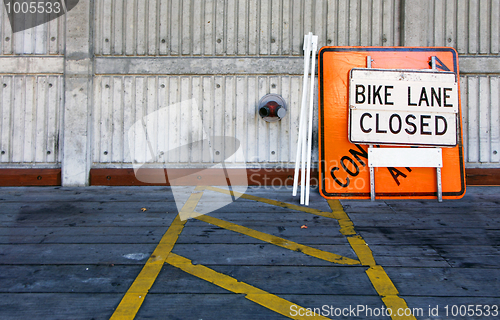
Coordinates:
[439,185]
[433,63]
[372,176]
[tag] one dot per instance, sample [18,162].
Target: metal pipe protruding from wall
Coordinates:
[272,107]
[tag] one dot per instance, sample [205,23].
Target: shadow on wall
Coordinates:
[153,141]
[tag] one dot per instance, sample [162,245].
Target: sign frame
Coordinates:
[357,59]
[452,115]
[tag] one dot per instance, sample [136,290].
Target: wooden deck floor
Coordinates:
[73,253]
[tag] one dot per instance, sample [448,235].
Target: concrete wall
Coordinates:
[472,27]
[73,87]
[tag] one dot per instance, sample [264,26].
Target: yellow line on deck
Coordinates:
[133,299]
[265,299]
[362,250]
[346,225]
[287,244]
[376,273]
[278,203]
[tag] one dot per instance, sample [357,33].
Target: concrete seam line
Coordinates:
[135,295]
[280,242]
[261,297]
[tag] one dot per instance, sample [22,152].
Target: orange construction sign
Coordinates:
[343,167]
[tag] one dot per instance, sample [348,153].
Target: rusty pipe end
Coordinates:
[272,107]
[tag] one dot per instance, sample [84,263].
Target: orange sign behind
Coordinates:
[343,167]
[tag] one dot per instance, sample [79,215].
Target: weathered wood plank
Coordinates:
[285,195]
[255,207]
[58,306]
[96,221]
[412,261]
[424,220]
[284,217]
[146,194]
[447,282]
[328,280]
[67,278]
[419,243]
[485,202]
[472,256]
[221,236]
[470,209]
[407,236]
[29,177]
[240,254]
[72,216]
[156,206]
[407,256]
[306,280]
[467,207]
[231,306]
[110,235]
[133,254]
[131,214]
[254,254]
[24,194]
[152,234]
[241,239]
[196,306]
[86,207]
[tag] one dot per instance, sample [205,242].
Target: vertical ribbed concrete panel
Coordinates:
[31,103]
[471,26]
[45,39]
[194,30]
[227,106]
[239,27]
[30,117]
[481,118]
[144,55]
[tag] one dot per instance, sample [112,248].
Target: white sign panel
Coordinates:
[403,107]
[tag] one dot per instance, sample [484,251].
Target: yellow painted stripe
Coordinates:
[381,281]
[346,225]
[265,299]
[364,253]
[337,213]
[187,210]
[377,275]
[278,203]
[133,299]
[287,244]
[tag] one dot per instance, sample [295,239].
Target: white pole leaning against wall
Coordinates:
[311,113]
[307,57]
